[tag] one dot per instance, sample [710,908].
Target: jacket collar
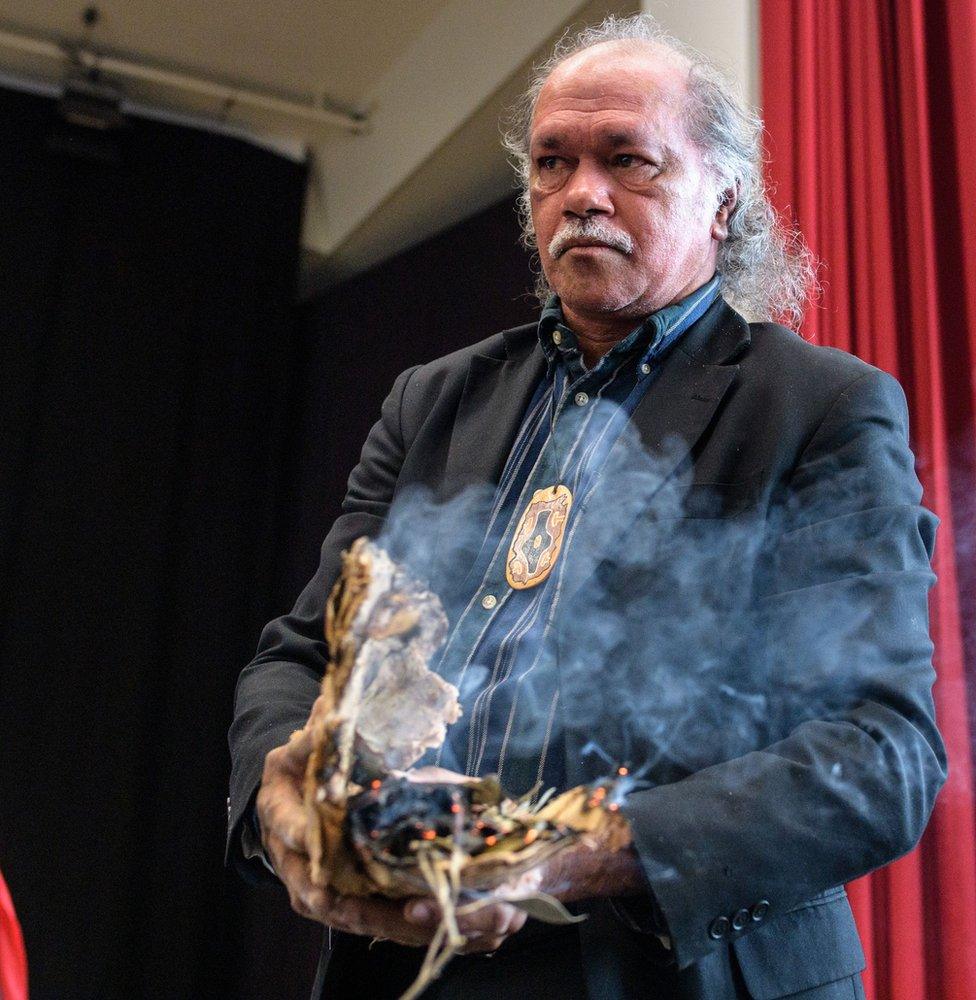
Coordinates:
[497,390]
[683,402]
[694,378]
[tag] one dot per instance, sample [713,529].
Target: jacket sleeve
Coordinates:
[276,689]
[849,779]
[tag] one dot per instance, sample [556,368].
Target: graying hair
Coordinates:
[767,270]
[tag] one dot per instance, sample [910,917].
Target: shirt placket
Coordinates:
[495,590]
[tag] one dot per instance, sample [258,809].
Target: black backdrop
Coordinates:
[174,441]
[146,302]
[452,290]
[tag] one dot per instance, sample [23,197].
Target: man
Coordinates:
[733,599]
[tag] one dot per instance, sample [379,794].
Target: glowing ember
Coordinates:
[491,841]
[623,772]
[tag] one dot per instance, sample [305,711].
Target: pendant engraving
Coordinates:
[538,537]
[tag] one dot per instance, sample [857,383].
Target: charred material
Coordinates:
[380,708]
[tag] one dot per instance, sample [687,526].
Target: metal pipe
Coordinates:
[226,94]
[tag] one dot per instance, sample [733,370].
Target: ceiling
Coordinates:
[430,79]
[299,48]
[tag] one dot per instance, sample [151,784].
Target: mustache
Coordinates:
[589,229]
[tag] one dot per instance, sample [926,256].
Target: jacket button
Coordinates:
[740,919]
[719,928]
[760,909]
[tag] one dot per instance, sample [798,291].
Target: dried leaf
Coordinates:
[548,909]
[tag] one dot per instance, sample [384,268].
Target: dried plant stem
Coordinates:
[444,882]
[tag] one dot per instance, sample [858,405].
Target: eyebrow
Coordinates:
[614,139]
[553,142]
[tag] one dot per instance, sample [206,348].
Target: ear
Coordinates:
[720,224]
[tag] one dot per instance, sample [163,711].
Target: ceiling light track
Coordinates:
[227,95]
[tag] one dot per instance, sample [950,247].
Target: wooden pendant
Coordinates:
[538,537]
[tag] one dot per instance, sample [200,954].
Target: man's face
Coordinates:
[609,151]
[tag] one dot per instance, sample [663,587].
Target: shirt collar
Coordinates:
[651,337]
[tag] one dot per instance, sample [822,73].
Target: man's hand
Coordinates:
[281,814]
[487,927]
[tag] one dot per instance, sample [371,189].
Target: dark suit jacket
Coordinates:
[746,617]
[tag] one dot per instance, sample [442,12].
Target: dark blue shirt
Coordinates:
[499,651]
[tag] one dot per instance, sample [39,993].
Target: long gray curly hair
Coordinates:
[767,270]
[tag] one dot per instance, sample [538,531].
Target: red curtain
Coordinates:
[869,108]
[13,959]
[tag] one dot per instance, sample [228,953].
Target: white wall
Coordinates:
[727,31]
[433,155]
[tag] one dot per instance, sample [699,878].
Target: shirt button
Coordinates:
[557,337]
[759,910]
[489,601]
[645,369]
[581,399]
[740,919]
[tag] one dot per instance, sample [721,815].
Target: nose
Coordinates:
[587,192]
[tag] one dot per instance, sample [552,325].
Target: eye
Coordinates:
[631,160]
[550,172]
[634,170]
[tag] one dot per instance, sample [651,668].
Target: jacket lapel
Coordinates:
[671,418]
[678,407]
[496,393]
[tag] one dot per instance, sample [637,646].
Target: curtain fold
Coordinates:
[872,143]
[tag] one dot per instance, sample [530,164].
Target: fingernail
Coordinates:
[421,913]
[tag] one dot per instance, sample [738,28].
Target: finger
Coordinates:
[522,885]
[300,743]
[493,932]
[480,945]
[375,917]
[281,812]
[297,749]
[306,898]
[496,920]
[422,912]
[320,708]
[370,917]
[485,927]
[283,762]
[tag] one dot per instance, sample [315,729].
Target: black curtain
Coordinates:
[450,291]
[146,372]
[175,437]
